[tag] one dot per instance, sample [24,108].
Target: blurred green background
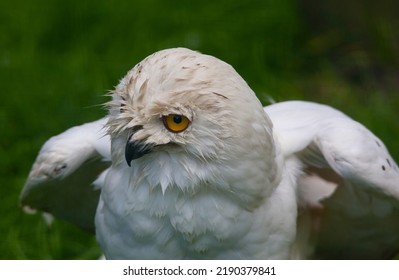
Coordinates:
[59,58]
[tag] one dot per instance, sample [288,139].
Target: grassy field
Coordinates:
[59,58]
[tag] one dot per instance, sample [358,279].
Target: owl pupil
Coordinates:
[177,119]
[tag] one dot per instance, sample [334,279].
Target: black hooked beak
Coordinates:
[138,148]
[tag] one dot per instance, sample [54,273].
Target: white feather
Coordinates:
[61,177]
[350,176]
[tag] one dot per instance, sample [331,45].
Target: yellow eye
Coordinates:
[175,123]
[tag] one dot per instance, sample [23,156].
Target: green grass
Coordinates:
[59,58]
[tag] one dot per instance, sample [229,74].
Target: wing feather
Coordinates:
[61,179]
[349,191]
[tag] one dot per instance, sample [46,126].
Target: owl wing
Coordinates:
[63,178]
[348,193]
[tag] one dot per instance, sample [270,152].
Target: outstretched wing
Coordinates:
[349,190]
[61,179]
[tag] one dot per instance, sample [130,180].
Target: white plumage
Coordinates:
[194,167]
